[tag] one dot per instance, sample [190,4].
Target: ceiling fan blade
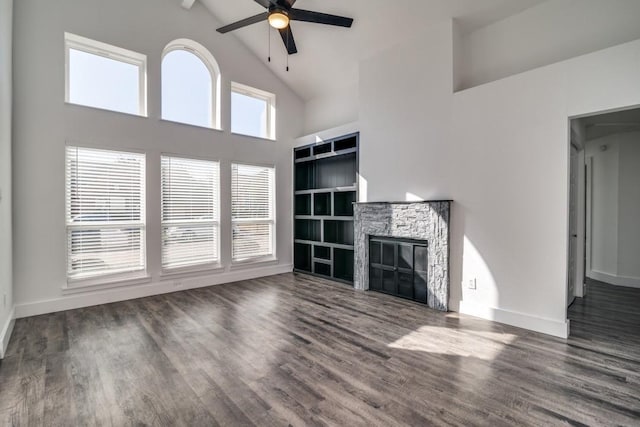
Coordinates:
[289,42]
[264,3]
[319,18]
[245,22]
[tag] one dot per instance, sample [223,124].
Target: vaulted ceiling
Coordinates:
[328,57]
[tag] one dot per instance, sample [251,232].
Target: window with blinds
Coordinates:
[105,212]
[252,211]
[190,220]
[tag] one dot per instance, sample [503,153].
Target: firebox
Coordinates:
[399,267]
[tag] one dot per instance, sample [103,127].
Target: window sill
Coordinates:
[191,271]
[259,138]
[191,125]
[86,285]
[253,263]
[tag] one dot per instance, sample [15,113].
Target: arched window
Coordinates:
[190,84]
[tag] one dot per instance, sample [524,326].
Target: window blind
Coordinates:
[105,215]
[190,221]
[252,211]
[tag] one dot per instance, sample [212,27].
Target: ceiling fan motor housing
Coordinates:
[279,14]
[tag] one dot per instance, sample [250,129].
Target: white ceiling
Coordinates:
[607,124]
[328,57]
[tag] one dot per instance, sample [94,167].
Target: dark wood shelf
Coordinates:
[325,189]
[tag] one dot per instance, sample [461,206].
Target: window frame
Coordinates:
[272,220]
[216,221]
[114,278]
[94,47]
[268,97]
[210,62]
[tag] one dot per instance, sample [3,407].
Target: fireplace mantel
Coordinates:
[428,220]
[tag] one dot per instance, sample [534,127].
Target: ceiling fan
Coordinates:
[280,13]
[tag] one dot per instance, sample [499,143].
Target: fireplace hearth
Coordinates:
[415,236]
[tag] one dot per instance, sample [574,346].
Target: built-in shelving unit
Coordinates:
[325,190]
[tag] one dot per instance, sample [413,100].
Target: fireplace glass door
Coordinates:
[398,267]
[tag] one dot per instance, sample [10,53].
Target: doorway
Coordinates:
[604,207]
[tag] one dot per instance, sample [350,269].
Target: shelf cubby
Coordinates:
[343,203]
[302,257]
[322,252]
[302,153]
[339,171]
[308,229]
[322,149]
[322,204]
[343,264]
[305,176]
[345,144]
[322,269]
[338,232]
[303,204]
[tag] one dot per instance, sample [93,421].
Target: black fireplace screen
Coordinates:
[398,267]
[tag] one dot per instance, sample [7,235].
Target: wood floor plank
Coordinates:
[301,351]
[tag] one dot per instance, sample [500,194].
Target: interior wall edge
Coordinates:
[5,332]
[6,170]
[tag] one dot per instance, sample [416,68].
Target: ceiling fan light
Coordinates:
[278,20]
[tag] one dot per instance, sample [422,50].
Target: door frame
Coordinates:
[576,139]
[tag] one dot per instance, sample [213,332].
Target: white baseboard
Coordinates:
[629,282]
[156,287]
[5,333]
[520,320]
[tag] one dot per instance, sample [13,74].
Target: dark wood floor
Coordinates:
[297,350]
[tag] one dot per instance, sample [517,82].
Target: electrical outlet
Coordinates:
[472,284]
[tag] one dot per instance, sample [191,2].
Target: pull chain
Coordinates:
[288,37]
[269,38]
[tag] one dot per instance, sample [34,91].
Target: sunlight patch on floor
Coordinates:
[484,345]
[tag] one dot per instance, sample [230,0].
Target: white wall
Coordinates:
[501,152]
[603,230]
[614,230]
[545,34]
[6,280]
[43,124]
[331,110]
[405,117]
[629,210]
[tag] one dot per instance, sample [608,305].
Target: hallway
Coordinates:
[608,318]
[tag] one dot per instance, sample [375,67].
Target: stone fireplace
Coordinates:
[421,221]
